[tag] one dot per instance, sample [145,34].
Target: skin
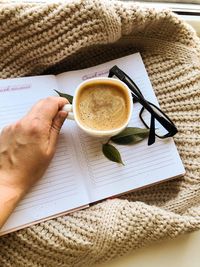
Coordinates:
[26,149]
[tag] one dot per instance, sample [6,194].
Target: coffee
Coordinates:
[102,106]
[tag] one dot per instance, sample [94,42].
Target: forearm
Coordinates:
[9,198]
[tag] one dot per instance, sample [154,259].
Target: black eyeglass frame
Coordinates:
[165,121]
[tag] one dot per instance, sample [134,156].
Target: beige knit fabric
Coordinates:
[53,37]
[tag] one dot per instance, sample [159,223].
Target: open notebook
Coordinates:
[79,174]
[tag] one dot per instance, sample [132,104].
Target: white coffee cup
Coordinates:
[72,108]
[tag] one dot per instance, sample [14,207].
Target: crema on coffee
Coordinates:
[102,106]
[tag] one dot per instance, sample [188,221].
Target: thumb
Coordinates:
[56,126]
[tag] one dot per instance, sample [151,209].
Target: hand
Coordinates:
[27,147]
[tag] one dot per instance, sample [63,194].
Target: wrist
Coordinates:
[11,184]
[9,198]
[11,192]
[8,192]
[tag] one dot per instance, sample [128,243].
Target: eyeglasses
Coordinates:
[153,118]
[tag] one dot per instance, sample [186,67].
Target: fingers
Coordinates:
[59,120]
[48,117]
[56,127]
[47,108]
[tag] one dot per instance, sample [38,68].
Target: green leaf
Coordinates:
[111,153]
[69,97]
[126,140]
[130,135]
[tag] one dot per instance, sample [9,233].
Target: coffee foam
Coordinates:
[102,106]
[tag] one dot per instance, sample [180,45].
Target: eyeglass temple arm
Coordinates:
[152,135]
[116,71]
[169,125]
[122,76]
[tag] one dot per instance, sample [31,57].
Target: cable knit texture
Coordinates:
[38,38]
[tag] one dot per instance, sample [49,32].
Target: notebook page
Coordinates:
[61,188]
[144,165]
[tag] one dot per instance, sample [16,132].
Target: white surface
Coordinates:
[180,252]
[194,21]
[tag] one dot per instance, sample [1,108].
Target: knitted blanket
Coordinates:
[38,38]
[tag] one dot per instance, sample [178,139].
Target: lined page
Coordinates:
[144,165]
[61,188]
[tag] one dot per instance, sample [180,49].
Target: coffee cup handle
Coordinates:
[68,108]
